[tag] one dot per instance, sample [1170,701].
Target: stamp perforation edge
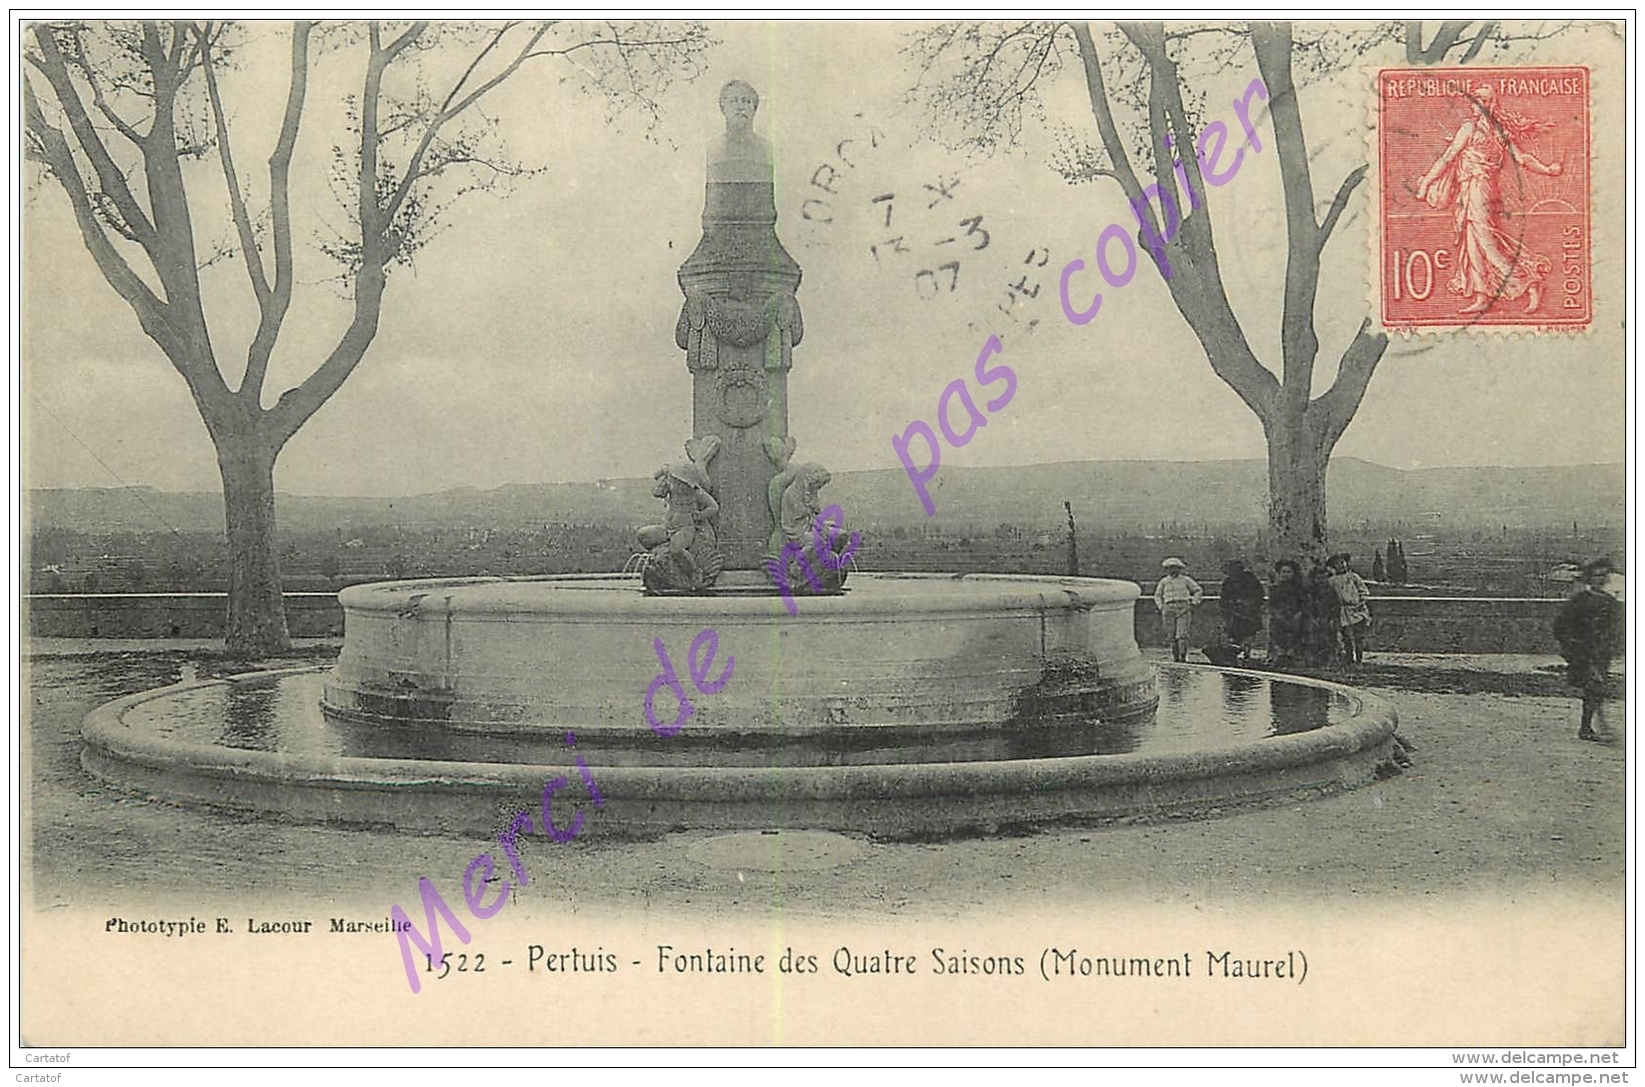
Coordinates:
[1599,204]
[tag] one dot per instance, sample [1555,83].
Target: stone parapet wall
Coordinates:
[166,615]
[1403,624]
[1413,624]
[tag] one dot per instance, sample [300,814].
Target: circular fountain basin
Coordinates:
[261,743]
[894,662]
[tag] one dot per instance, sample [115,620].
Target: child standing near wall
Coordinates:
[1355,614]
[1175,596]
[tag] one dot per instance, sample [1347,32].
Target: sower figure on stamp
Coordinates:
[1175,596]
[1588,629]
[1491,263]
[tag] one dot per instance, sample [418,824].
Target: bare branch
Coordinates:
[371,146]
[413,32]
[1299,344]
[1334,409]
[1078,161]
[110,178]
[981,105]
[1149,40]
[154,55]
[623,43]
[1107,130]
[1449,32]
[278,302]
[1455,34]
[88,71]
[450,110]
[220,251]
[225,156]
[181,44]
[51,147]
[1005,109]
[192,55]
[628,67]
[296,406]
[1344,191]
[1485,31]
[1189,33]
[1196,285]
[120,124]
[479,58]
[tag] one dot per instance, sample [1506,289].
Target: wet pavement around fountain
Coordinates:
[1503,801]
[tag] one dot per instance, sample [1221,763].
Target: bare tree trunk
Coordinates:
[393,214]
[256,608]
[1297,459]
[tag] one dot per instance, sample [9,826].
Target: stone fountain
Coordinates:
[891,704]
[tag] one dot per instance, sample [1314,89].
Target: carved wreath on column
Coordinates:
[737,322]
[741,396]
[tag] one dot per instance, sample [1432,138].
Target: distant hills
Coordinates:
[1111,495]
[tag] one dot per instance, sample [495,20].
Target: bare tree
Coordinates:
[116,112]
[980,81]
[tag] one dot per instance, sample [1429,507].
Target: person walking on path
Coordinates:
[1175,595]
[1355,614]
[1588,628]
[1287,614]
[1240,600]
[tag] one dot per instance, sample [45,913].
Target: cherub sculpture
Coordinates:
[797,517]
[684,549]
[780,451]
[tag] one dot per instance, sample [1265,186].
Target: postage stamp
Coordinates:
[1484,197]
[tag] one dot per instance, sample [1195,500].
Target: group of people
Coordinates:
[1318,616]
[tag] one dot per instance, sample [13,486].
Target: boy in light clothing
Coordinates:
[1175,596]
[1355,615]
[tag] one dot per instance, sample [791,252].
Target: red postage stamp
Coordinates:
[1484,192]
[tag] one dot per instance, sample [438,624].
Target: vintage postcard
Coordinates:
[661,533]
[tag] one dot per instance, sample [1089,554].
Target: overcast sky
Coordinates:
[533,340]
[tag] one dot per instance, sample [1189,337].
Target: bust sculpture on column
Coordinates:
[738,327]
[741,154]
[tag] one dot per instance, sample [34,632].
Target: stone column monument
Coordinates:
[738,327]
